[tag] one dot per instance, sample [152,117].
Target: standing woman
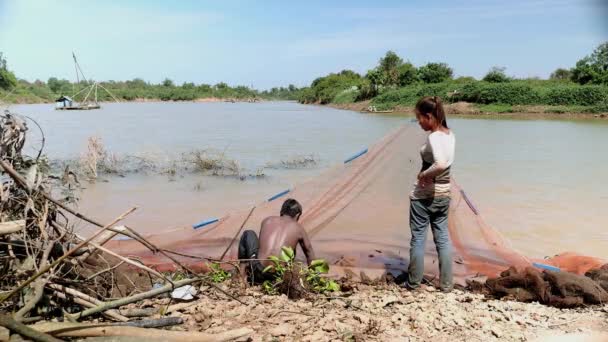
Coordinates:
[430,199]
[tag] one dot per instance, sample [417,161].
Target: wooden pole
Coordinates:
[237,234]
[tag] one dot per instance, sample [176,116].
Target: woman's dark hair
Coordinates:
[434,106]
[292,208]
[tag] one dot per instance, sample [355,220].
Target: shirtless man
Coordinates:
[276,232]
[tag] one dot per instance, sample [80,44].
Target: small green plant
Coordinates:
[314,279]
[285,263]
[217,273]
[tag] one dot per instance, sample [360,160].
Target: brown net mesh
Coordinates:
[357,216]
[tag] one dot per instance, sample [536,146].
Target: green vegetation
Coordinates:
[7,78]
[138,89]
[395,82]
[22,91]
[284,268]
[217,273]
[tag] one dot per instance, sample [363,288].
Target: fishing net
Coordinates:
[357,216]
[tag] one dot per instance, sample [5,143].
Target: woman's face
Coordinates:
[424,120]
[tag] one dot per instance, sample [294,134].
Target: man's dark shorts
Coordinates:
[248,249]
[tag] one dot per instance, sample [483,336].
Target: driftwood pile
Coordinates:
[49,274]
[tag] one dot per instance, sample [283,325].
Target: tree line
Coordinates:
[20,90]
[580,84]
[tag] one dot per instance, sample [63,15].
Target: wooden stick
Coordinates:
[237,233]
[63,257]
[11,227]
[139,312]
[183,266]
[95,330]
[38,287]
[128,300]
[152,323]
[130,262]
[22,329]
[102,240]
[110,313]
[93,301]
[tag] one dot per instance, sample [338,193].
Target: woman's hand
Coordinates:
[424,180]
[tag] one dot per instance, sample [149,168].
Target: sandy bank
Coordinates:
[465,109]
[389,313]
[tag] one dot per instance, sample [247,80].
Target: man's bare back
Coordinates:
[283,231]
[276,232]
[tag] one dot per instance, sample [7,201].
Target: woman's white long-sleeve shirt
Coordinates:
[437,155]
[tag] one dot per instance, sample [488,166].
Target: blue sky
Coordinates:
[270,43]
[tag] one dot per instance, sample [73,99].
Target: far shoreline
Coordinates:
[458,109]
[470,111]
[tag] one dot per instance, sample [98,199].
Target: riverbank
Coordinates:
[387,313]
[464,109]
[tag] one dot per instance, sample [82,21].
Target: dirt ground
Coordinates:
[389,313]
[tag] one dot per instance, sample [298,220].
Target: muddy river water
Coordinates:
[542,183]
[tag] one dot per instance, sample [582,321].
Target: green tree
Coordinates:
[407,74]
[561,74]
[58,86]
[593,69]
[435,73]
[7,78]
[389,66]
[188,85]
[168,83]
[376,79]
[496,75]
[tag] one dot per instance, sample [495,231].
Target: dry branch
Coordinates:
[63,257]
[11,227]
[22,329]
[95,330]
[128,300]
[109,314]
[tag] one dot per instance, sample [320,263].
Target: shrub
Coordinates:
[575,95]
[287,273]
[407,74]
[496,75]
[346,96]
[561,74]
[434,73]
[507,93]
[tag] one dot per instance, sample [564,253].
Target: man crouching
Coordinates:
[276,232]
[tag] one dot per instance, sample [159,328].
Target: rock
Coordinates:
[328,326]
[5,334]
[497,332]
[429,289]
[343,328]
[281,330]
[388,300]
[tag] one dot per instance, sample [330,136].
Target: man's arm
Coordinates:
[306,246]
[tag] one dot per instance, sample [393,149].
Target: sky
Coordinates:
[275,43]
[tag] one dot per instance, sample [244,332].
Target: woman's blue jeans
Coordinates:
[433,211]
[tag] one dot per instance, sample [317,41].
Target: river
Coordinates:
[539,182]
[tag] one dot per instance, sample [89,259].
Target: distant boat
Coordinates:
[68,103]
[372,109]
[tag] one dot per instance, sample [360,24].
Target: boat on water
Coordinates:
[373,109]
[66,103]
[89,92]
